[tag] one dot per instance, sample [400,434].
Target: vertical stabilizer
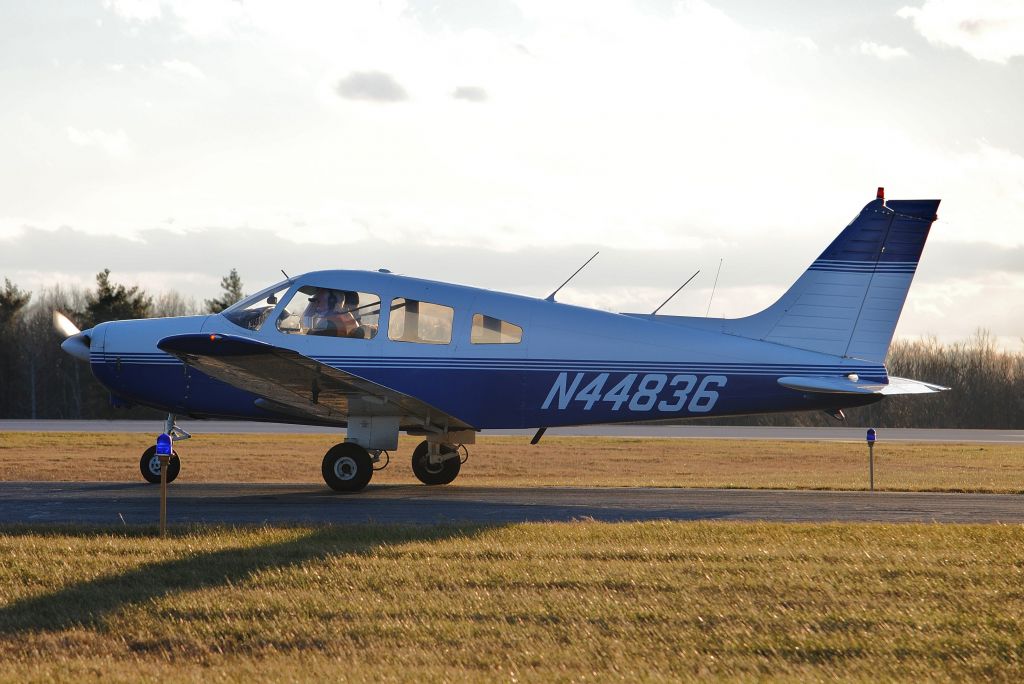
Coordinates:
[849,300]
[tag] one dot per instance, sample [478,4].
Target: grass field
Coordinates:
[581,601]
[543,602]
[557,461]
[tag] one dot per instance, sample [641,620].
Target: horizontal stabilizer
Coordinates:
[847,385]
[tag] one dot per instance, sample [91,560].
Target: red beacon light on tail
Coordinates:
[881,194]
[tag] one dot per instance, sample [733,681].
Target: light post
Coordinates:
[871,457]
[163,452]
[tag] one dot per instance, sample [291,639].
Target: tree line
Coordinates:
[986,390]
[38,380]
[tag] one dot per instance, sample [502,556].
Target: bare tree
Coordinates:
[172,303]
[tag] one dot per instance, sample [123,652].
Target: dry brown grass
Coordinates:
[557,461]
[582,601]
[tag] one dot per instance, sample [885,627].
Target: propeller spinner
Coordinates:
[76,342]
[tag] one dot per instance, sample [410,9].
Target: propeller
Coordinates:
[76,342]
[64,325]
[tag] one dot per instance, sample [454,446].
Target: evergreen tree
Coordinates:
[12,349]
[12,301]
[115,302]
[232,286]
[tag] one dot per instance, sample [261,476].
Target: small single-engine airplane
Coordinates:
[379,354]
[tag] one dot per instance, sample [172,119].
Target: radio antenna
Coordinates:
[675,293]
[287,277]
[551,297]
[713,287]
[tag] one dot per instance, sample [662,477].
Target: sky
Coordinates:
[500,143]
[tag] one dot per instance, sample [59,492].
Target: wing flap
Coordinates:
[845,385]
[298,385]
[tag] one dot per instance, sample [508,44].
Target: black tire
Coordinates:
[347,467]
[149,465]
[441,474]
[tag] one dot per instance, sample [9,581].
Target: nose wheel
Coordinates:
[149,464]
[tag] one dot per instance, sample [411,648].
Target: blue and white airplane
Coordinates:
[379,354]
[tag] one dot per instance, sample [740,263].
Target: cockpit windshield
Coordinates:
[251,312]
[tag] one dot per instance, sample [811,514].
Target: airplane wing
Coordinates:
[297,386]
[844,385]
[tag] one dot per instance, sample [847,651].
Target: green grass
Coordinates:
[578,601]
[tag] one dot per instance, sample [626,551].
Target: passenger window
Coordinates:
[423,322]
[331,312]
[487,330]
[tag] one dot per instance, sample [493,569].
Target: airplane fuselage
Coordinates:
[571,365]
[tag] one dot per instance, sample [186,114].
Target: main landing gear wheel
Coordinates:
[149,464]
[347,467]
[435,473]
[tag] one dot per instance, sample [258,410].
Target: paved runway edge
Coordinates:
[110,503]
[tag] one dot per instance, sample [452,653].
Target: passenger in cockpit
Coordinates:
[326,314]
[363,329]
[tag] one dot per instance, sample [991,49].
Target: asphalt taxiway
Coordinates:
[106,503]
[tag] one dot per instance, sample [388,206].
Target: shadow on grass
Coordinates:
[88,604]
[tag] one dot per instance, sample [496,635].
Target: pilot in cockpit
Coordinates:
[326,314]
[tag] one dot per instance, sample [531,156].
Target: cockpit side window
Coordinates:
[489,330]
[330,312]
[252,312]
[422,322]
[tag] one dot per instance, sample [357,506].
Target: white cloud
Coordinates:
[984,194]
[617,121]
[955,307]
[114,143]
[135,10]
[807,43]
[613,124]
[199,18]
[178,66]
[209,18]
[883,52]
[12,227]
[991,30]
